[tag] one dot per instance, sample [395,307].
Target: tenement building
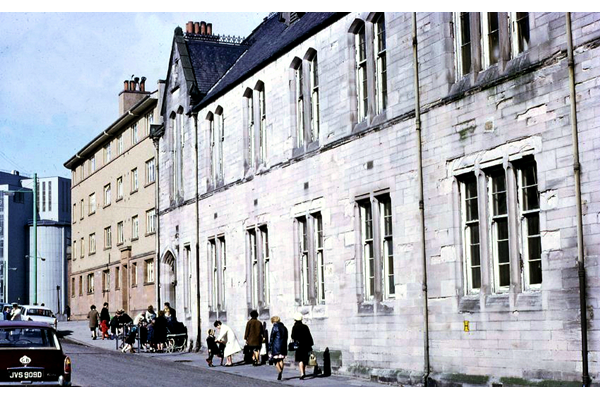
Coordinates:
[113,210]
[421,187]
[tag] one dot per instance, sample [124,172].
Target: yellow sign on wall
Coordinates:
[466,325]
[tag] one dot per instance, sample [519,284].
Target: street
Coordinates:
[97,367]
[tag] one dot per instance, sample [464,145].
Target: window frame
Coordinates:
[135,227]
[108,237]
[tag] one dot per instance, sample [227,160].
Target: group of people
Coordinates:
[13,313]
[153,327]
[225,344]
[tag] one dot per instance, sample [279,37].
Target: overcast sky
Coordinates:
[61,73]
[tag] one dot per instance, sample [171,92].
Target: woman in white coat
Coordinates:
[227,337]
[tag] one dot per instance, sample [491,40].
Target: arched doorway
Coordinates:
[169,279]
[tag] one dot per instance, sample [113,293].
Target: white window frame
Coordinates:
[120,233]
[120,144]
[315,116]
[524,216]
[92,200]
[135,227]
[468,225]
[92,244]
[150,171]
[149,271]
[150,221]
[459,43]
[134,180]
[108,237]
[360,60]
[134,134]
[107,195]
[107,153]
[517,36]
[262,112]
[119,187]
[311,261]
[380,56]
[494,222]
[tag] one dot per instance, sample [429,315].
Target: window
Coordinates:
[107,195]
[376,229]
[220,119]
[81,285]
[530,226]
[299,104]
[149,121]
[150,171]
[134,274]
[92,164]
[74,212]
[258,259]
[92,199]
[119,188]
[149,271]
[212,140]
[311,265]
[249,128]
[262,113]
[150,221]
[134,134]
[499,230]
[314,98]
[74,250]
[361,71]
[217,262]
[106,280]
[49,196]
[470,218]
[120,234]
[90,283]
[490,32]
[462,37]
[134,180]
[135,227]
[73,287]
[120,144]
[501,214]
[306,92]
[379,46]
[81,210]
[43,196]
[82,248]
[520,32]
[117,278]
[92,247]
[107,154]
[107,237]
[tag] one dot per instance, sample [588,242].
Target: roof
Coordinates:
[272,38]
[24,324]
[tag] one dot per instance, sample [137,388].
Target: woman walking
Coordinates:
[253,336]
[278,344]
[301,334]
[93,316]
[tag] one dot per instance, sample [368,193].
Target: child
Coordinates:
[104,329]
[213,348]
[130,341]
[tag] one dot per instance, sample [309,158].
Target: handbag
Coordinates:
[312,360]
[293,346]
[263,349]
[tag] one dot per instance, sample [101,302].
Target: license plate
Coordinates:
[25,375]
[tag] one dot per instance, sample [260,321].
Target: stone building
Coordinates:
[113,210]
[409,186]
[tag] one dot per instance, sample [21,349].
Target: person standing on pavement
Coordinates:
[150,314]
[214,348]
[253,337]
[159,335]
[278,344]
[104,314]
[93,323]
[227,337]
[301,334]
[172,311]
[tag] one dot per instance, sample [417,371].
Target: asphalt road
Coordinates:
[97,367]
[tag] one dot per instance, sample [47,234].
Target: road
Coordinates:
[97,367]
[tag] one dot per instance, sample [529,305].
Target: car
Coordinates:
[31,355]
[38,313]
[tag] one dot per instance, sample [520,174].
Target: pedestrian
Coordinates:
[160,331]
[301,335]
[227,337]
[68,312]
[104,314]
[93,317]
[150,314]
[104,329]
[15,314]
[277,344]
[130,341]
[172,311]
[254,337]
[214,348]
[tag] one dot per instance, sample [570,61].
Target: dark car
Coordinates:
[31,355]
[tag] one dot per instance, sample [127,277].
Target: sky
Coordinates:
[61,74]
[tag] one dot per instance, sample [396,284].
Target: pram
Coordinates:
[176,338]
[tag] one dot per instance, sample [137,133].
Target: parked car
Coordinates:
[38,313]
[31,355]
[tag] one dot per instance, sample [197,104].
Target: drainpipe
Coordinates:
[577,175]
[199,319]
[156,141]
[426,366]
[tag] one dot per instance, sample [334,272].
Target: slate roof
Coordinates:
[268,41]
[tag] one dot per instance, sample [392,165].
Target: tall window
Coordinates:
[92,199]
[306,81]
[107,153]
[92,164]
[258,259]
[43,196]
[262,112]
[462,35]
[310,251]
[81,209]
[134,134]
[150,171]
[470,218]
[120,233]
[107,237]
[150,221]
[530,228]
[379,46]
[299,104]
[134,180]
[499,230]
[120,144]
[149,271]
[106,280]
[107,195]
[520,32]
[81,285]
[81,248]
[119,187]
[117,278]
[314,98]
[490,23]
[220,142]
[74,250]
[135,227]
[149,121]
[249,125]
[90,283]
[361,71]
[217,253]
[212,140]
[134,280]
[92,248]
[378,259]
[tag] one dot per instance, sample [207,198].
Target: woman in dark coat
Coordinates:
[160,330]
[254,336]
[301,334]
[278,344]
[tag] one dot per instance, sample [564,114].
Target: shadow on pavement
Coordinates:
[63,334]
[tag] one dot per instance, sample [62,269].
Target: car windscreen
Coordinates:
[28,337]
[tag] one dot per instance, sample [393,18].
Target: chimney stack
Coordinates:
[209,29]
[134,90]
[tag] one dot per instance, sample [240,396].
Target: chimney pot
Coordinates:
[203,28]
[143,84]
[132,85]
[196,28]
[209,29]
[189,27]
[126,85]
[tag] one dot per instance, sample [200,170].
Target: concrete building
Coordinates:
[113,210]
[16,209]
[427,225]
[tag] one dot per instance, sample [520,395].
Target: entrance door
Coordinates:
[125,288]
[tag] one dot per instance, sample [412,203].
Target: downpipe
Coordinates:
[577,175]
[426,367]
[199,318]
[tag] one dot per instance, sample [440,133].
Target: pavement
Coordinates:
[79,332]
